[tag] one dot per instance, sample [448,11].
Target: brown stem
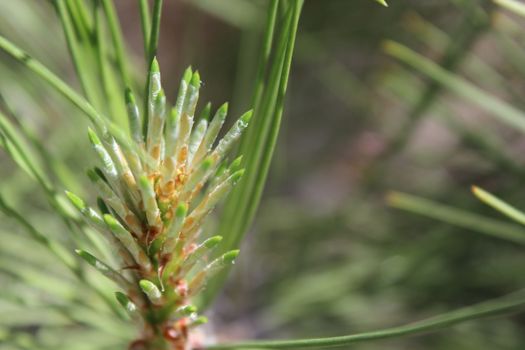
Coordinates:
[163,336]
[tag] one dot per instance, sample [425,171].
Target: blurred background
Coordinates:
[328,253]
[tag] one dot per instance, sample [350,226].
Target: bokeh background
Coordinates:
[327,254]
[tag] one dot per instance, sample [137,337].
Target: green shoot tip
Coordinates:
[229,257]
[148,286]
[212,242]
[237,175]
[187,75]
[93,137]
[187,310]
[181,210]
[155,66]
[75,200]
[129,97]
[144,181]
[151,290]
[234,166]
[246,117]
[199,320]
[205,114]
[223,110]
[125,302]
[90,259]
[110,220]
[196,79]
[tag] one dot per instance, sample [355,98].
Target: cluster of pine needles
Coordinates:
[155,191]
